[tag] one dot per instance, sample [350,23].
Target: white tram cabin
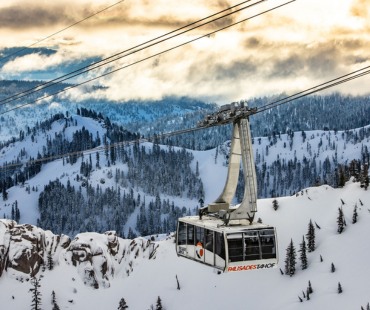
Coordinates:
[227,248]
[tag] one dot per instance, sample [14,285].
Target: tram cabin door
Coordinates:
[201,244]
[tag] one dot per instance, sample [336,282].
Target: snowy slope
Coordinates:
[340,146]
[203,288]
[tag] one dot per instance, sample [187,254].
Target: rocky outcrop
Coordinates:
[24,248]
[27,250]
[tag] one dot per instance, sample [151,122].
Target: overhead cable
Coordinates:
[146,58]
[334,82]
[125,53]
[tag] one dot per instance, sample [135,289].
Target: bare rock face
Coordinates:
[93,255]
[113,242]
[25,249]
[5,226]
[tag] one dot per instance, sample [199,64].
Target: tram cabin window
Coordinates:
[267,238]
[209,240]
[190,236]
[199,235]
[181,238]
[235,244]
[219,245]
[252,246]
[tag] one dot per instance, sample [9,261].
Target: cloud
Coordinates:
[35,62]
[361,8]
[289,49]
[20,16]
[23,14]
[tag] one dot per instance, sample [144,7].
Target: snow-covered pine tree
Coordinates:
[340,290]
[310,237]
[159,304]
[54,301]
[310,287]
[53,298]
[50,262]
[17,212]
[364,176]
[290,260]
[303,254]
[178,283]
[340,220]
[275,204]
[355,214]
[122,304]
[5,194]
[332,267]
[36,294]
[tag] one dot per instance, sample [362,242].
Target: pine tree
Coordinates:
[275,204]
[310,287]
[159,304]
[332,267]
[340,290]
[310,237]
[36,294]
[368,306]
[122,304]
[355,215]
[54,301]
[17,212]
[55,307]
[50,262]
[290,260]
[178,283]
[364,177]
[303,255]
[5,194]
[340,221]
[53,298]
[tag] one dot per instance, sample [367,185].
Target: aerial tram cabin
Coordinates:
[228,248]
[223,236]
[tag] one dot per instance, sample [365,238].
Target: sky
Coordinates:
[295,47]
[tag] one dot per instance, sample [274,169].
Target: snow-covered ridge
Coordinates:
[27,251]
[285,163]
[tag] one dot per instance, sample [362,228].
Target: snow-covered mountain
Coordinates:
[121,179]
[201,287]
[141,269]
